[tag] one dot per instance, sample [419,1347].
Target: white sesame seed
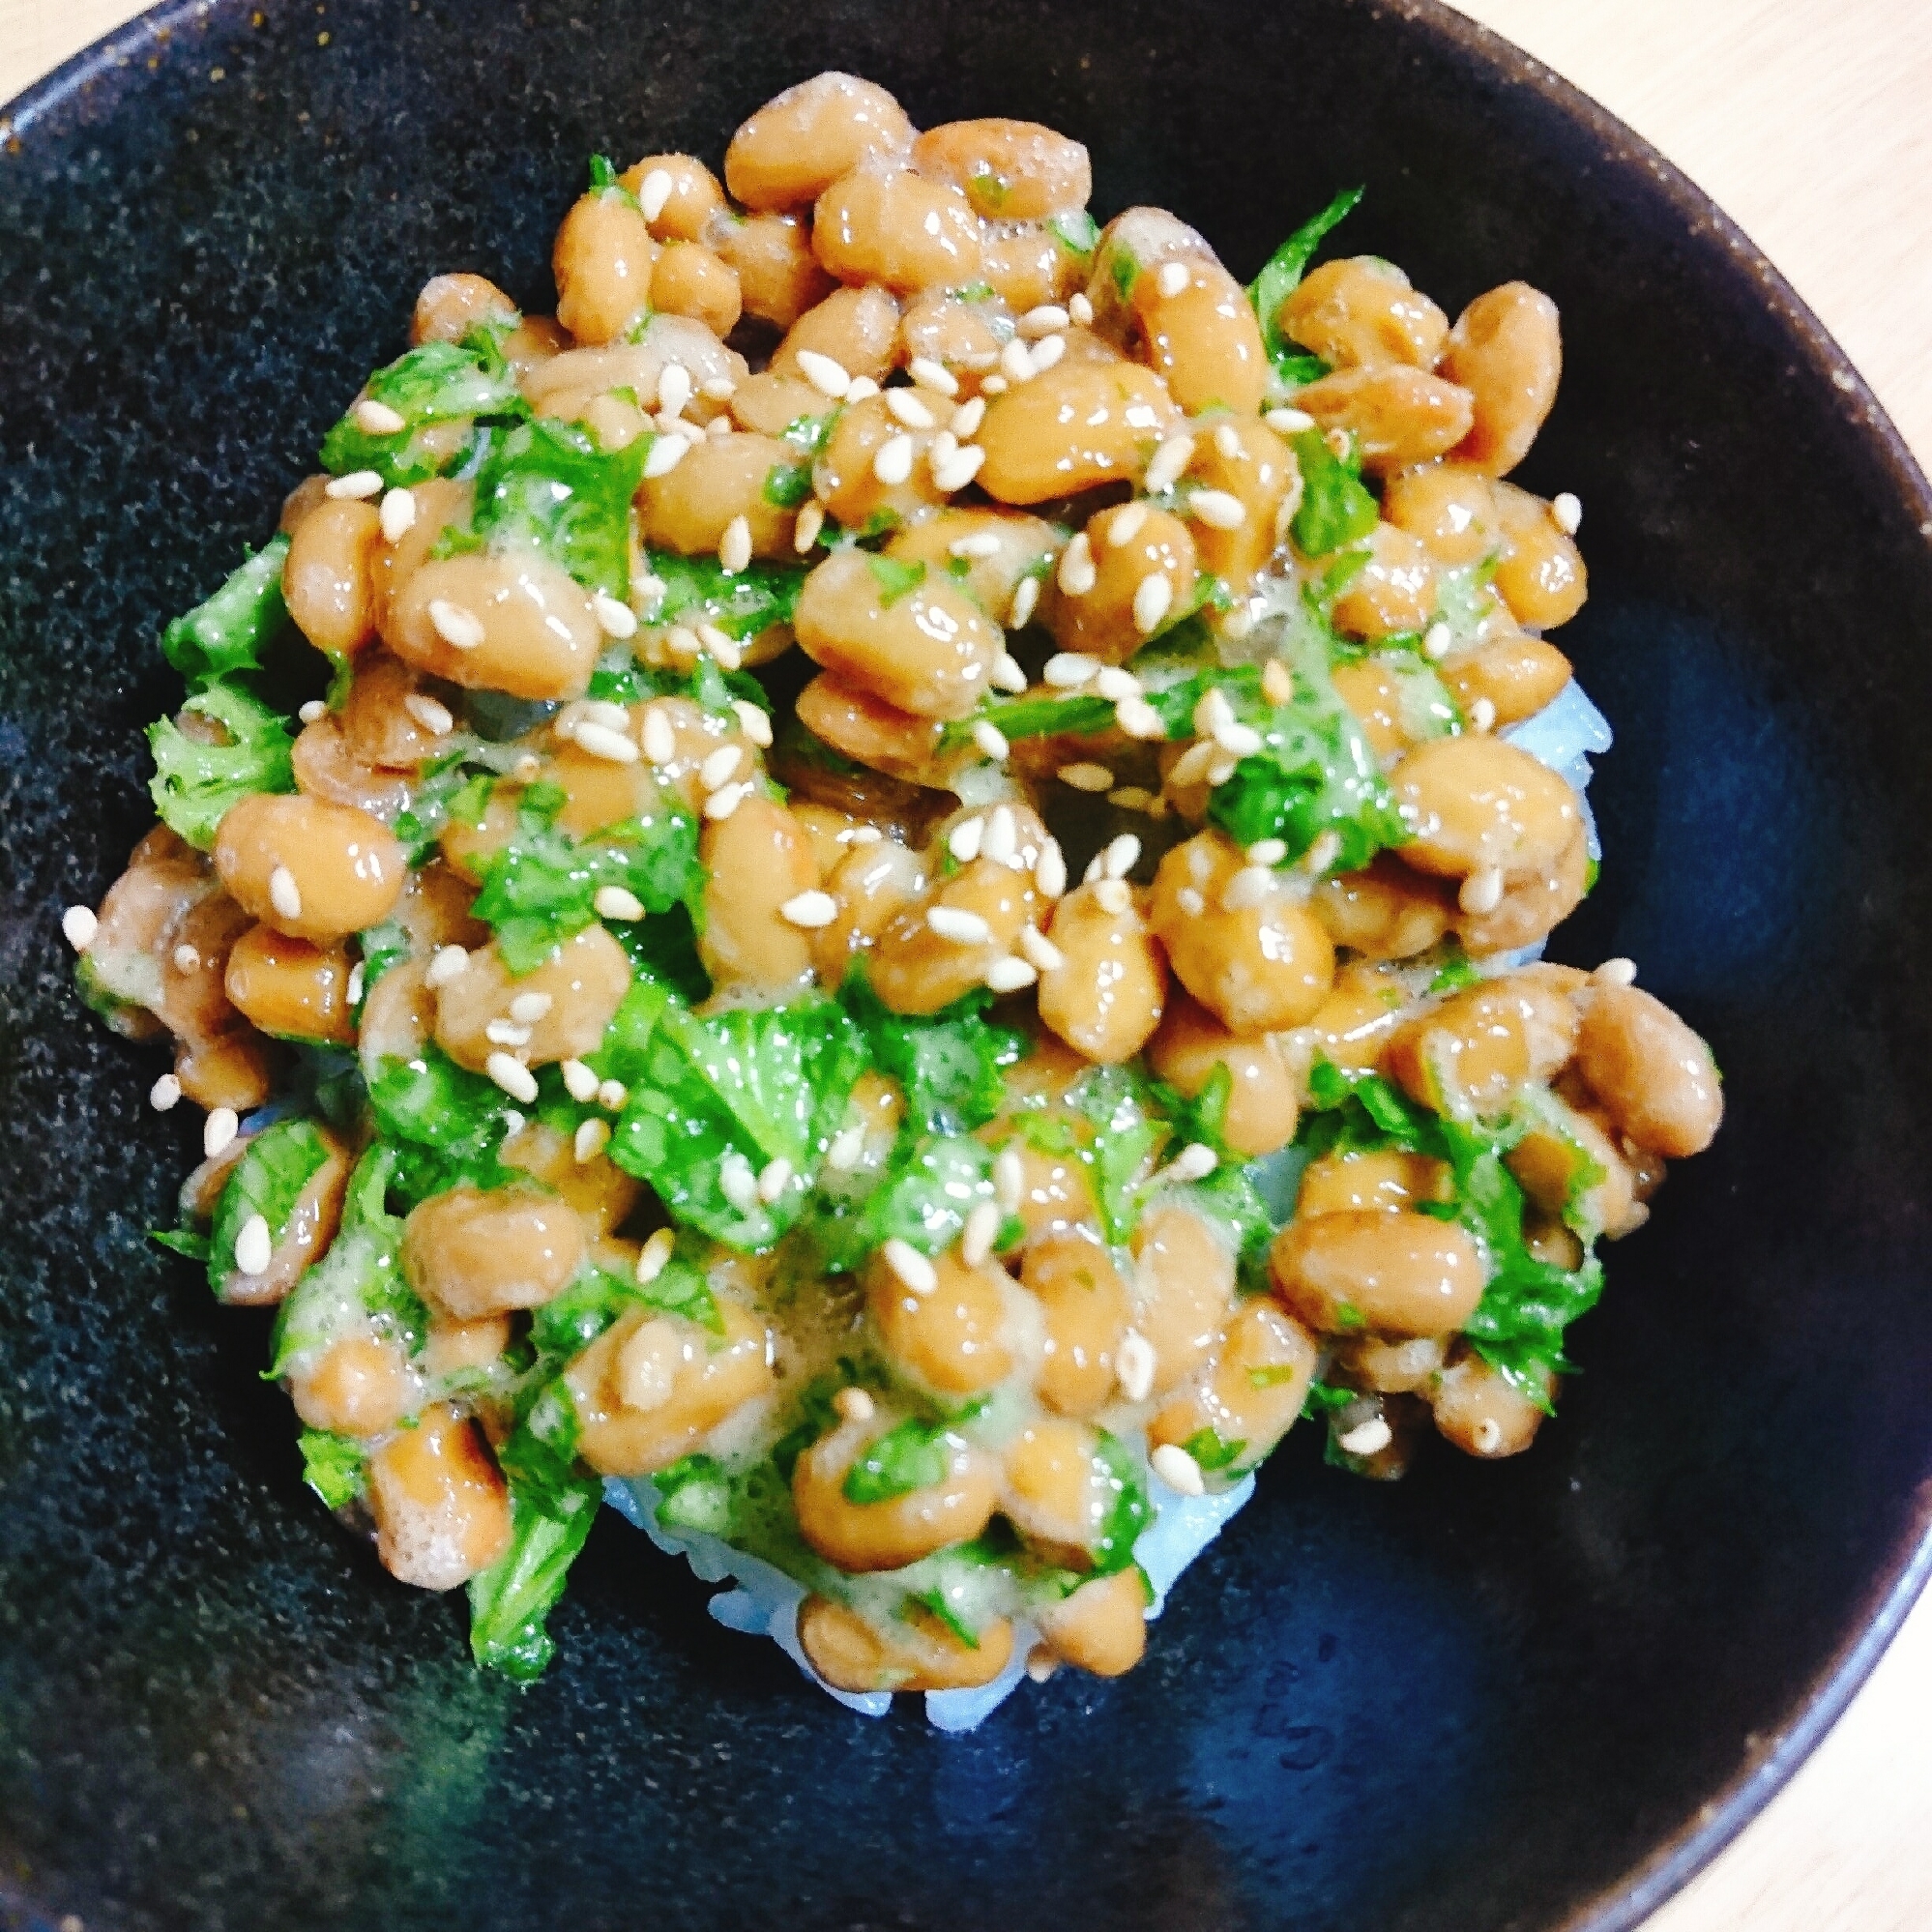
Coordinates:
[1007,674]
[1219,509]
[1250,886]
[1483,715]
[1566,511]
[1267,852]
[862,385]
[1322,854]
[1009,1180]
[601,741]
[1277,685]
[805,534]
[513,1123]
[828,377]
[612,1095]
[734,548]
[590,1139]
[1191,767]
[79,925]
[1488,1436]
[613,618]
[1016,362]
[720,388]
[357,982]
[892,465]
[981,1230]
[255,1247]
[1085,777]
[1125,524]
[1113,897]
[907,408]
[1079,309]
[579,1081]
[1008,976]
[1122,856]
[681,643]
[1170,463]
[809,910]
[968,417]
[527,1008]
[284,894]
[993,385]
[1190,901]
[1221,770]
[667,424]
[1001,843]
[720,767]
[1049,871]
[723,802]
[738,1181]
[1179,1470]
[674,389]
[649,591]
[1238,741]
[459,629]
[1137,718]
[774,1180]
[978,543]
[964,840]
[606,712]
[653,192]
[1097,868]
[164,1093]
[1069,670]
[952,472]
[1046,352]
[1436,640]
[1174,278]
[1481,892]
[929,374]
[1213,712]
[357,484]
[991,741]
[1150,602]
[1366,1438]
[855,1405]
[1076,573]
[752,721]
[1240,621]
[911,1266]
[842,1155]
[660,739]
[450,962]
[398,515]
[219,1131]
[1045,320]
[313,712]
[1289,422]
[378,418]
[507,1033]
[665,454]
[1140,416]
[1133,1365]
[655,1256]
[433,718]
[961,927]
[1195,1163]
[1046,956]
[1616,972]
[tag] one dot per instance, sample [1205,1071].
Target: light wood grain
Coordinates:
[1810,123]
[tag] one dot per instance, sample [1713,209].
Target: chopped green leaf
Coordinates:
[949,1064]
[1322,1399]
[539,1455]
[510,1601]
[895,579]
[1336,507]
[1456,971]
[603,180]
[1037,715]
[196,781]
[694,1494]
[1282,274]
[1076,232]
[334,1466]
[742,604]
[449,1122]
[911,1456]
[1210,1452]
[453,794]
[550,486]
[1131,1511]
[787,485]
[229,633]
[268,1181]
[181,1240]
[435,382]
[382,945]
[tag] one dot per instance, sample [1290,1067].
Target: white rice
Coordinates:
[1563,736]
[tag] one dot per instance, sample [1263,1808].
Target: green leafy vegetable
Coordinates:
[1076,232]
[195,781]
[1282,275]
[911,1456]
[787,485]
[1336,507]
[742,604]
[1456,971]
[1210,1452]
[268,1181]
[540,1456]
[694,1494]
[381,947]
[1037,715]
[949,1064]
[510,1601]
[895,579]
[435,382]
[604,181]
[334,1467]
[1129,1132]
[924,1199]
[181,1240]
[542,887]
[1128,1515]
[715,1102]
[229,632]
[358,1282]
[1322,1399]
[451,793]
[447,1122]
[550,486]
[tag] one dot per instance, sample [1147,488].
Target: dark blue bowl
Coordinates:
[1532,1695]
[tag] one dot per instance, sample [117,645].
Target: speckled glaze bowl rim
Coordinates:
[163,31]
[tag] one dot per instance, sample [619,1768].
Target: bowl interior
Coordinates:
[1481,1698]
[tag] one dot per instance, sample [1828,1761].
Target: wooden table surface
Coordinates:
[1810,123]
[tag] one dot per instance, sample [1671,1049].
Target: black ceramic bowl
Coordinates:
[1532,1695]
